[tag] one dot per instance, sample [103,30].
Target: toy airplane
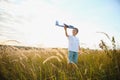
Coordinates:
[69,26]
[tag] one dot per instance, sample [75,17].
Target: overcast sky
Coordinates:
[32,22]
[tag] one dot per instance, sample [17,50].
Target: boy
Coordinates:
[74,47]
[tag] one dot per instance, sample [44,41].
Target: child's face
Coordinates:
[74,32]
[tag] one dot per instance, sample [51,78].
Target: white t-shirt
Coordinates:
[73,43]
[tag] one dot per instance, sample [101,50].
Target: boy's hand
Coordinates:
[80,52]
[65,27]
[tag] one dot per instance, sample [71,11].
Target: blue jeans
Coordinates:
[73,57]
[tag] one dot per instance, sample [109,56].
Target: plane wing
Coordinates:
[69,26]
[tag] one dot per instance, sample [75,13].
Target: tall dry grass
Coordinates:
[51,64]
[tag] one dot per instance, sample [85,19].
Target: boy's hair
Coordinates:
[76,29]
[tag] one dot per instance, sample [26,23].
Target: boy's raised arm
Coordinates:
[65,28]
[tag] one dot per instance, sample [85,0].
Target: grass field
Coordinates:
[51,64]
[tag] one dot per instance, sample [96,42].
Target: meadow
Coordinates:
[51,64]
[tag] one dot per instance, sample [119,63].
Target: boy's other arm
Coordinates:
[65,28]
[79,50]
[79,47]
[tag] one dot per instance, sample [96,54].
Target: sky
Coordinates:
[32,22]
